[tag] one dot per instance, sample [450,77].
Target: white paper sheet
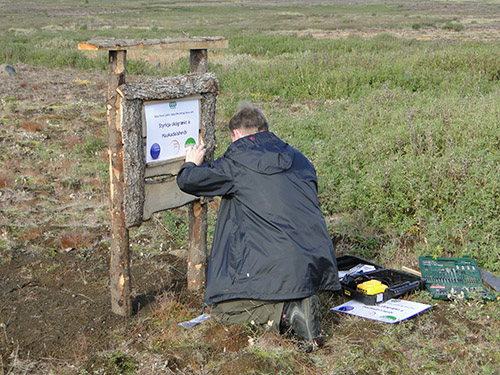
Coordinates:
[392,311]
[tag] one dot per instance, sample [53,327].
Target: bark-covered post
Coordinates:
[119,252]
[197,253]
[198,60]
[197,245]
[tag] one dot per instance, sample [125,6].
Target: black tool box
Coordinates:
[396,283]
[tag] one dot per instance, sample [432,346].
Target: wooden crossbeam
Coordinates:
[142,44]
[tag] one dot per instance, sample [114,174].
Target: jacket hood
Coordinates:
[262,152]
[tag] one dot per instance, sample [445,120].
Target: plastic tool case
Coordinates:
[452,278]
[397,283]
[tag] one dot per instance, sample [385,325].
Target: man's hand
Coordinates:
[195,154]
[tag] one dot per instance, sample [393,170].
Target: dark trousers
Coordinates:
[266,314]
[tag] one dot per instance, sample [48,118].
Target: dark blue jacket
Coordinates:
[270,241]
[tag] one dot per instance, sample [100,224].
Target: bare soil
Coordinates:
[54,292]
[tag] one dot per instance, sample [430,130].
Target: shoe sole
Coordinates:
[305,318]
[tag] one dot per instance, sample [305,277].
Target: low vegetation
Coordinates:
[402,128]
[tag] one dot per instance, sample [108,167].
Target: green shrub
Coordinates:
[91,147]
[115,363]
[453,26]
[406,163]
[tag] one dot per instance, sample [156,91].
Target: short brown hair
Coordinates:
[248,117]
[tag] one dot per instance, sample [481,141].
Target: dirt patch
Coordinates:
[56,10]
[429,21]
[484,34]
[51,310]
[60,307]
[54,231]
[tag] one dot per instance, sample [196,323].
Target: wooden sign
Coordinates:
[159,119]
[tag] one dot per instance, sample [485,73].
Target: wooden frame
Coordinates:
[150,188]
[119,269]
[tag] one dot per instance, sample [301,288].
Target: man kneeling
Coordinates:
[271,250]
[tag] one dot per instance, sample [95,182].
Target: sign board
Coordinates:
[159,118]
[171,126]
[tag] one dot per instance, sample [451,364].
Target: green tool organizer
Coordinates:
[452,278]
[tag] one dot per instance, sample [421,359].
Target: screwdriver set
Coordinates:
[453,278]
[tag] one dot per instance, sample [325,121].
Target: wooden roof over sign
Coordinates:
[170,87]
[141,44]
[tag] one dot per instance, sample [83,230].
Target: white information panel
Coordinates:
[171,126]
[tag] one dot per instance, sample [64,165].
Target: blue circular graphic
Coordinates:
[346,308]
[155,151]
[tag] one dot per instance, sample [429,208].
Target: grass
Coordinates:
[403,133]
[389,139]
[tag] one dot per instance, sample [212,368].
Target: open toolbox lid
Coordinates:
[397,283]
[347,264]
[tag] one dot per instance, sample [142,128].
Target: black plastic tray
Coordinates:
[398,283]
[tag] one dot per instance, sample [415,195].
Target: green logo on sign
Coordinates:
[190,142]
[172,105]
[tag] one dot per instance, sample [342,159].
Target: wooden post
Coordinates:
[120,255]
[197,245]
[197,253]
[198,60]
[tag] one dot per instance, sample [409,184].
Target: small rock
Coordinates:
[9,70]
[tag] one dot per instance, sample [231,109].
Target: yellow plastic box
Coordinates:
[371,287]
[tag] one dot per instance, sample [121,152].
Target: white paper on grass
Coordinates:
[193,322]
[392,311]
